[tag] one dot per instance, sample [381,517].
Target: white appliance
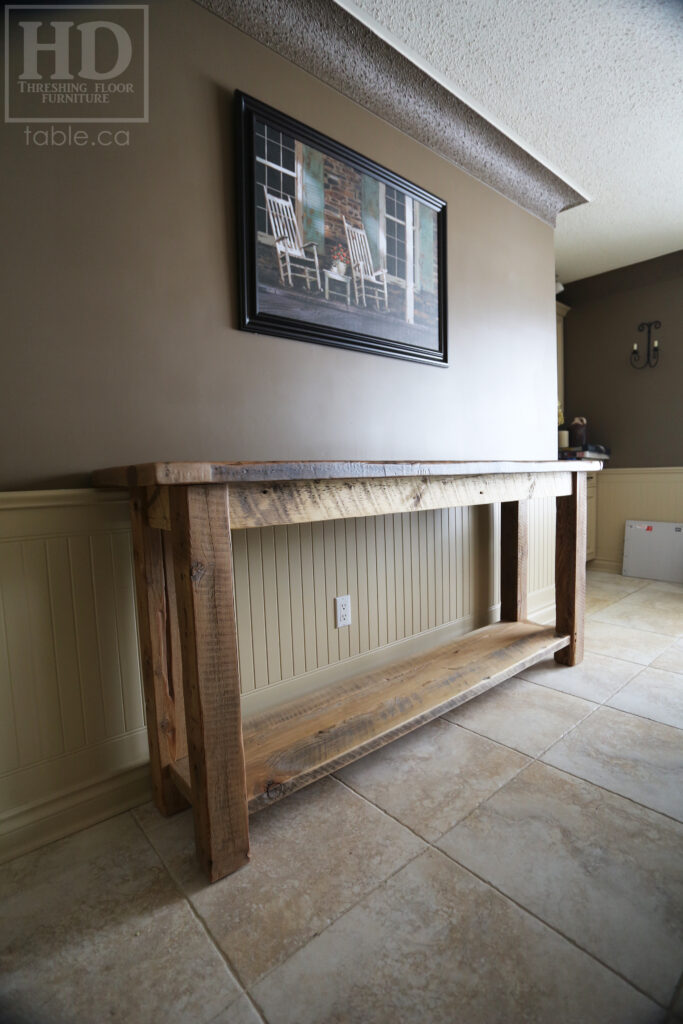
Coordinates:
[653,551]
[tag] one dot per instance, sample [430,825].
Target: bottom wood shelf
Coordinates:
[303,739]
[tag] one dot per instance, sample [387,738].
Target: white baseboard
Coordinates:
[27,828]
[606,565]
[541,605]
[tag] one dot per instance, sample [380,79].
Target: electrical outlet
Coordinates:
[342,611]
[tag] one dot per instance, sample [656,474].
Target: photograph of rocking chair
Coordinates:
[366,280]
[294,257]
[360,251]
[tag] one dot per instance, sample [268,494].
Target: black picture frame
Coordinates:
[391,299]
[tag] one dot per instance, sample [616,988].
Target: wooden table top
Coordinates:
[167,473]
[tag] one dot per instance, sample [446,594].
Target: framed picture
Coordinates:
[335,249]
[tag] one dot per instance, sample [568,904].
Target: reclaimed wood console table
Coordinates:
[200,750]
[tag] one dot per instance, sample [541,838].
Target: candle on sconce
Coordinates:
[656,343]
[635,346]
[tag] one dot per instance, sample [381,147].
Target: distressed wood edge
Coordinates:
[339,50]
[514,560]
[164,719]
[302,501]
[180,774]
[180,770]
[149,474]
[202,556]
[570,570]
[258,802]
[158,508]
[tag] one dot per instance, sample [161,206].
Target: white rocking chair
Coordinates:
[367,282]
[294,258]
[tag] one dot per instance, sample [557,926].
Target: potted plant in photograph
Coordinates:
[340,259]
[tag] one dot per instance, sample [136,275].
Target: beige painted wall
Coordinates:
[636,412]
[119,308]
[652,494]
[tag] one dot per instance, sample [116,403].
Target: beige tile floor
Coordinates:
[519,860]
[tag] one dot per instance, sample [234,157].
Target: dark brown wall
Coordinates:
[639,413]
[119,313]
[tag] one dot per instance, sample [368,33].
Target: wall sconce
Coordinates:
[652,355]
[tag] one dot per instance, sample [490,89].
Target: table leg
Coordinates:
[514,560]
[200,521]
[160,652]
[570,570]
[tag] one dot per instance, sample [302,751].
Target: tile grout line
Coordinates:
[342,913]
[532,760]
[573,775]
[642,718]
[202,923]
[460,820]
[360,899]
[606,702]
[613,792]
[432,845]
[246,990]
[678,991]
[635,713]
[639,629]
[535,757]
[551,927]
[382,810]
[628,661]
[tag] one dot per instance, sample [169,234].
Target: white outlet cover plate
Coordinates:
[342,611]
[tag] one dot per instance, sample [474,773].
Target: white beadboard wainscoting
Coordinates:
[653,493]
[73,744]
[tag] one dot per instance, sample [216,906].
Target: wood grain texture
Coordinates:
[151,473]
[180,773]
[514,560]
[313,501]
[158,510]
[570,570]
[206,612]
[293,744]
[299,742]
[159,646]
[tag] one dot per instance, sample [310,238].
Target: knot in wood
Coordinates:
[274,790]
[197,570]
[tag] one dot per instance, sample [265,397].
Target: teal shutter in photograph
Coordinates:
[426,248]
[370,214]
[313,215]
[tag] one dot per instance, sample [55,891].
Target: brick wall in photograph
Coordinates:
[342,199]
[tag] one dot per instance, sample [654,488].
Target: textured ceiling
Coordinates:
[592,88]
